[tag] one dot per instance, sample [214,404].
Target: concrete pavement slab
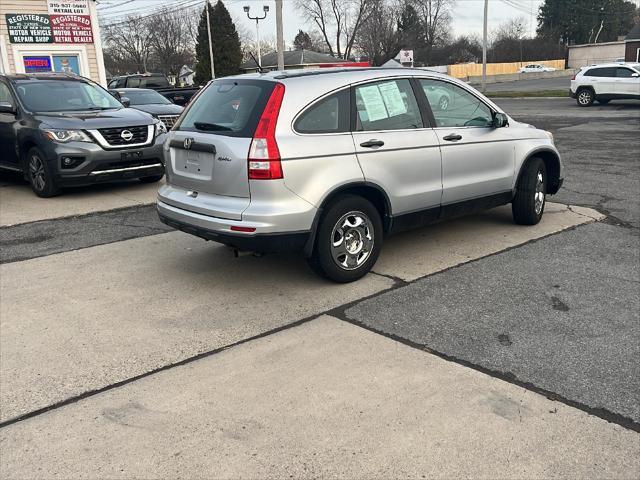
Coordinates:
[85,319]
[324,399]
[418,253]
[560,314]
[18,204]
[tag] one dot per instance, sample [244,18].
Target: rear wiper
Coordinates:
[210,126]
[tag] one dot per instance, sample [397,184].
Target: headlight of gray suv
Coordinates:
[160,128]
[64,136]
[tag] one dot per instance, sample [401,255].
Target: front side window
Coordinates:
[329,115]
[387,105]
[64,96]
[453,106]
[624,72]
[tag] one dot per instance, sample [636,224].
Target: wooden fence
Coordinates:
[474,69]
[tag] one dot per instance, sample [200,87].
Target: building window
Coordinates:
[51,63]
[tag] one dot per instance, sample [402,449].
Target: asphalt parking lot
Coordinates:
[476,348]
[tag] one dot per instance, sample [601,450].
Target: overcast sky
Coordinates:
[467,14]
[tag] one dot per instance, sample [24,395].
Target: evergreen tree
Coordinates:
[303,41]
[578,21]
[227,54]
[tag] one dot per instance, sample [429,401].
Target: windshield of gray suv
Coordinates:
[144,97]
[63,96]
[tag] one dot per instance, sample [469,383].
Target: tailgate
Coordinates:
[209,163]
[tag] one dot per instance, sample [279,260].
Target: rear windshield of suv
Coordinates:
[227,107]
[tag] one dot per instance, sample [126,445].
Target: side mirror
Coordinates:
[500,120]
[6,107]
[635,75]
[125,101]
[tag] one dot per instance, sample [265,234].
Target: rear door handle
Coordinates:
[372,143]
[454,137]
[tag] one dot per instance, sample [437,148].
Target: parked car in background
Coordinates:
[151,102]
[606,82]
[536,67]
[329,162]
[158,82]
[63,130]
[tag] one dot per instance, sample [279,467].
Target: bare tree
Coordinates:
[337,20]
[129,42]
[171,40]
[250,47]
[434,17]
[378,36]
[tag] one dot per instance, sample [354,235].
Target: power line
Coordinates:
[182,5]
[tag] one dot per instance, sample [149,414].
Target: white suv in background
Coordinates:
[602,83]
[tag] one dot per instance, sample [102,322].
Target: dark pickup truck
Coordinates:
[158,82]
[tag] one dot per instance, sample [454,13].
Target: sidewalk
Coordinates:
[326,399]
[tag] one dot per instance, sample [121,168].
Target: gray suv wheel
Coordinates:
[349,239]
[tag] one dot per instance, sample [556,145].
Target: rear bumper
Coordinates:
[219,230]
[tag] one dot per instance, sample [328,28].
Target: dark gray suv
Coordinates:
[62,130]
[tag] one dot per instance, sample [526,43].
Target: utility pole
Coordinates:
[265,9]
[279,35]
[213,70]
[484,46]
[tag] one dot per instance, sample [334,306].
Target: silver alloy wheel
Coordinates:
[584,98]
[539,195]
[37,173]
[443,103]
[352,240]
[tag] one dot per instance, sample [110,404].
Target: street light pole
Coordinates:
[484,46]
[265,9]
[213,70]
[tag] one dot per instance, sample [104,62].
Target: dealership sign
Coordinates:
[54,28]
[71,29]
[29,28]
[68,7]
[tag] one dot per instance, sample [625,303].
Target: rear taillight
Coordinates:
[574,76]
[264,156]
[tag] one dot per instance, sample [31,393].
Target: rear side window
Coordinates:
[5,95]
[133,82]
[227,107]
[154,82]
[387,105]
[329,115]
[601,72]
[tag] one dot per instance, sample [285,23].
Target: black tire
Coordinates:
[151,179]
[585,97]
[604,102]
[39,174]
[526,206]
[326,257]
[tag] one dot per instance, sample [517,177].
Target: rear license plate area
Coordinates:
[193,164]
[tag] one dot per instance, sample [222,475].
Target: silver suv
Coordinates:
[330,162]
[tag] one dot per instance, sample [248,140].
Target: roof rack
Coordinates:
[324,71]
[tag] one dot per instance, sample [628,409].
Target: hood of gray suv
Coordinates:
[84,120]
